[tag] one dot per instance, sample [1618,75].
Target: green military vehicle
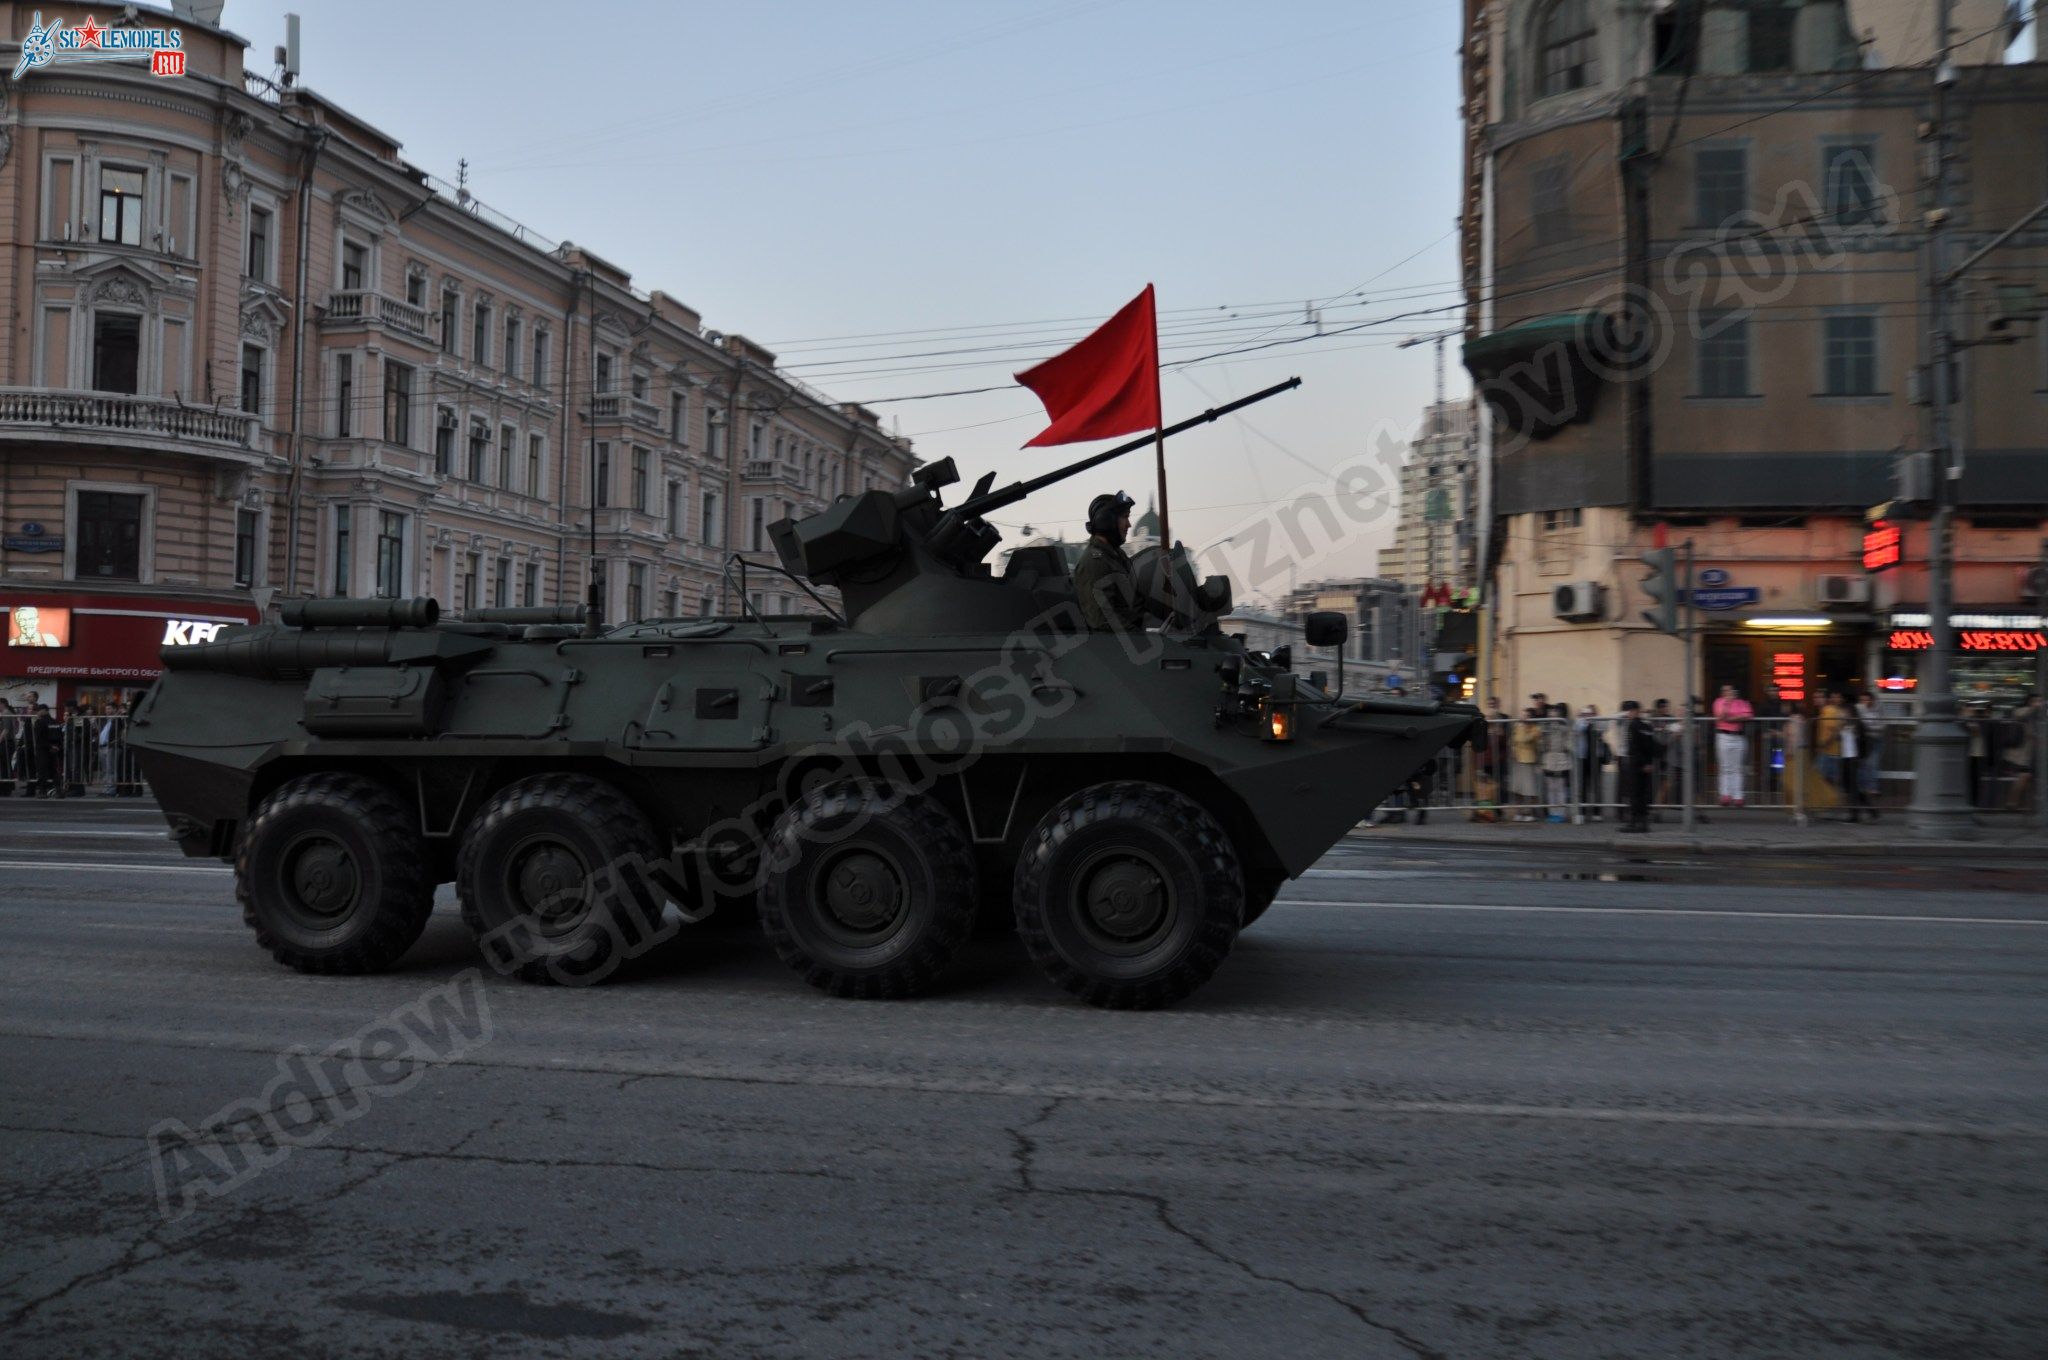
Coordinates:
[939,748]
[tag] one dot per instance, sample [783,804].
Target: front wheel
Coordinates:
[330,875]
[1129,895]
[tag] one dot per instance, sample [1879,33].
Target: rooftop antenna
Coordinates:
[461,181]
[287,56]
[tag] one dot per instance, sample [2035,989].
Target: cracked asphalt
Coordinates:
[1440,1102]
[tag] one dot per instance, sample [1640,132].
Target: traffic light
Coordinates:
[1661,585]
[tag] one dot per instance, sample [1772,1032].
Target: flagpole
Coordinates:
[1165,526]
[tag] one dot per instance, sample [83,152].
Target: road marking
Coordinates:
[1667,911]
[116,868]
[36,833]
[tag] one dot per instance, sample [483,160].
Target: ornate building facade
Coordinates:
[251,352]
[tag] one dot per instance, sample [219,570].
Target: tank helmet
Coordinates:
[1104,512]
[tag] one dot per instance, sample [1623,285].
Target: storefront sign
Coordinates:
[1883,546]
[105,639]
[1967,640]
[185,632]
[1788,676]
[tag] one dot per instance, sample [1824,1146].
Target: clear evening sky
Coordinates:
[981,178]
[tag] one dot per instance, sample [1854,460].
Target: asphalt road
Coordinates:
[1439,1103]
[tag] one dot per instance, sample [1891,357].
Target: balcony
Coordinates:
[616,408]
[361,307]
[126,419]
[769,470]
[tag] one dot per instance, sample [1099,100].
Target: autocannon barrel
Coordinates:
[418,612]
[542,614]
[274,655]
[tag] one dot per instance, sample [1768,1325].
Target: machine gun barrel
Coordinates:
[1017,491]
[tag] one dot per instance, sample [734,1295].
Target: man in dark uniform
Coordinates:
[1638,765]
[1102,579]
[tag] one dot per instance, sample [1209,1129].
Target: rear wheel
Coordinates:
[552,879]
[1129,895]
[330,874]
[866,895]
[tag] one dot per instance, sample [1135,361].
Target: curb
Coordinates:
[2032,846]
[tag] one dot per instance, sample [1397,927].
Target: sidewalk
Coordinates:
[1728,833]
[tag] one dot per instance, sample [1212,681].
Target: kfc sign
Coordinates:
[185,632]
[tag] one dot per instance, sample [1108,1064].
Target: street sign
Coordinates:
[1727,597]
[1713,576]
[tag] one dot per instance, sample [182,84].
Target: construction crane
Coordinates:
[1436,338]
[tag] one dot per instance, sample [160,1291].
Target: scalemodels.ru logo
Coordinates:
[60,44]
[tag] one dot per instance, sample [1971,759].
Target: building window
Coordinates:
[116,352]
[1548,205]
[540,358]
[1720,185]
[451,308]
[344,394]
[1770,38]
[480,333]
[444,441]
[508,457]
[639,386]
[109,536]
[471,564]
[678,409]
[1851,356]
[713,534]
[252,379]
[121,206]
[1723,355]
[604,372]
[398,403]
[759,522]
[415,288]
[601,474]
[640,479]
[757,440]
[1565,46]
[529,593]
[534,445]
[511,346]
[670,602]
[258,264]
[714,434]
[390,555]
[1850,173]
[675,509]
[354,258]
[501,583]
[636,590]
[245,547]
[479,443]
[341,550]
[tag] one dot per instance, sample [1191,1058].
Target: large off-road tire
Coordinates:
[1129,895]
[331,874]
[1258,896]
[549,875]
[866,895]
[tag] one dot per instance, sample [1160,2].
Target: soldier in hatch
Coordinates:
[1102,579]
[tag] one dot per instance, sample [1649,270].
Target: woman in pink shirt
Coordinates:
[1731,742]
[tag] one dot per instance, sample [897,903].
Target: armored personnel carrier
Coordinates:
[939,747]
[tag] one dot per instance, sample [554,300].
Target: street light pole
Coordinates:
[1941,803]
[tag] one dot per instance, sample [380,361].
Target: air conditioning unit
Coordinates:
[1837,591]
[1579,601]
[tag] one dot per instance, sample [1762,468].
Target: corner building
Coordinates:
[251,352]
[1752,178]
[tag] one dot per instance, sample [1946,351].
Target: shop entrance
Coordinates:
[1779,674]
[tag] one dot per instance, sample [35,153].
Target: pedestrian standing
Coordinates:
[1869,763]
[1638,766]
[2016,754]
[1590,749]
[1977,722]
[1732,714]
[1851,742]
[1557,762]
[1525,780]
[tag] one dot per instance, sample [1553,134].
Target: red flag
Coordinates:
[1106,385]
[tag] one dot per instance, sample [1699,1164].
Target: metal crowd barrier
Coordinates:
[1777,767]
[70,757]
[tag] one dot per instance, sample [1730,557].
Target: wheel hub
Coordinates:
[550,879]
[863,891]
[1125,897]
[323,876]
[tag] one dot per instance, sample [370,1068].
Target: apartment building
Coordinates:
[252,352]
[1696,252]
[1434,535]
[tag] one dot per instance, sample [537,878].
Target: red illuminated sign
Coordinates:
[1899,683]
[1883,546]
[1788,675]
[1968,640]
